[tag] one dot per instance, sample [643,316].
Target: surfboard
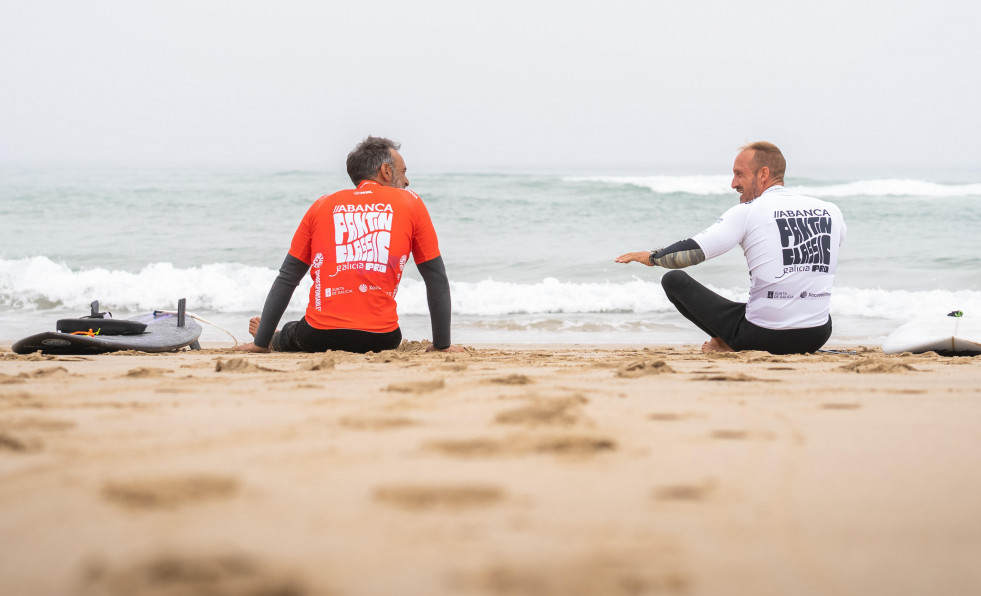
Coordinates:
[161,332]
[949,334]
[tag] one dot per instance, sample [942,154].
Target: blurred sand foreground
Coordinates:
[521,470]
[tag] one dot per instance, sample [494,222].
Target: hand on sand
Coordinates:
[640,257]
[250,347]
[432,348]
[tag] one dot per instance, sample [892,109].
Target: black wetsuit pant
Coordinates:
[726,320]
[299,336]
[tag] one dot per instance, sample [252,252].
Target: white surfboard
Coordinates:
[942,334]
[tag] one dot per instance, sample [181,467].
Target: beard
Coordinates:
[397,180]
[749,193]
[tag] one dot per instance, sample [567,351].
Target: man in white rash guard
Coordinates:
[791,245]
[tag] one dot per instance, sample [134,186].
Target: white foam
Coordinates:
[38,284]
[695,185]
[891,187]
[720,185]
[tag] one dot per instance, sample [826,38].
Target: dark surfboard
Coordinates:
[164,332]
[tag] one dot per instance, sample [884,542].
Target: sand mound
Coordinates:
[873,364]
[642,367]
[241,365]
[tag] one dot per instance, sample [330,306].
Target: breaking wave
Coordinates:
[40,284]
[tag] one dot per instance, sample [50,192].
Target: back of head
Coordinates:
[768,155]
[363,162]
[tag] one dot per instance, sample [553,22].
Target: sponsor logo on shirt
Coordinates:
[362,235]
[318,260]
[780,295]
[805,237]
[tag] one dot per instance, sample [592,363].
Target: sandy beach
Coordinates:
[552,469]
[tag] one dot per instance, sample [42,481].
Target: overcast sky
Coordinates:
[605,85]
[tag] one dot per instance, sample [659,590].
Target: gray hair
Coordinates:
[365,160]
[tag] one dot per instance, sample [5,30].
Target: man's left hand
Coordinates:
[640,257]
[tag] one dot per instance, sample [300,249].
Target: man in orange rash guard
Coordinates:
[357,242]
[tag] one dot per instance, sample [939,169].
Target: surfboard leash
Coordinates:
[202,319]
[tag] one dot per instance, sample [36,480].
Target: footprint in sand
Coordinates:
[377,423]
[417,386]
[740,435]
[182,574]
[324,363]
[145,372]
[11,443]
[673,416]
[738,377]
[685,492]
[513,379]
[388,356]
[555,411]
[840,406]
[426,497]
[169,492]
[606,571]
[45,373]
[559,445]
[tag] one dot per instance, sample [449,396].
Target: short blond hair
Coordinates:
[769,155]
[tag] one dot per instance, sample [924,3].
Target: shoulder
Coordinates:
[739,211]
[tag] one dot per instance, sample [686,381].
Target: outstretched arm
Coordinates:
[290,274]
[438,296]
[684,253]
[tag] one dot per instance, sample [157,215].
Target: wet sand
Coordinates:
[505,470]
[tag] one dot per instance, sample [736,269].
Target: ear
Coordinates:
[764,174]
[385,173]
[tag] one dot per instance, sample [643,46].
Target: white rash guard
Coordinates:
[791,245]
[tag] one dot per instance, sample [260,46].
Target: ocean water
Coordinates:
[530,257]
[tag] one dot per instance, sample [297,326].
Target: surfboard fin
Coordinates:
[181,311]
[95,313]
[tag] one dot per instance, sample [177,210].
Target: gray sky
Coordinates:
[605,85]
